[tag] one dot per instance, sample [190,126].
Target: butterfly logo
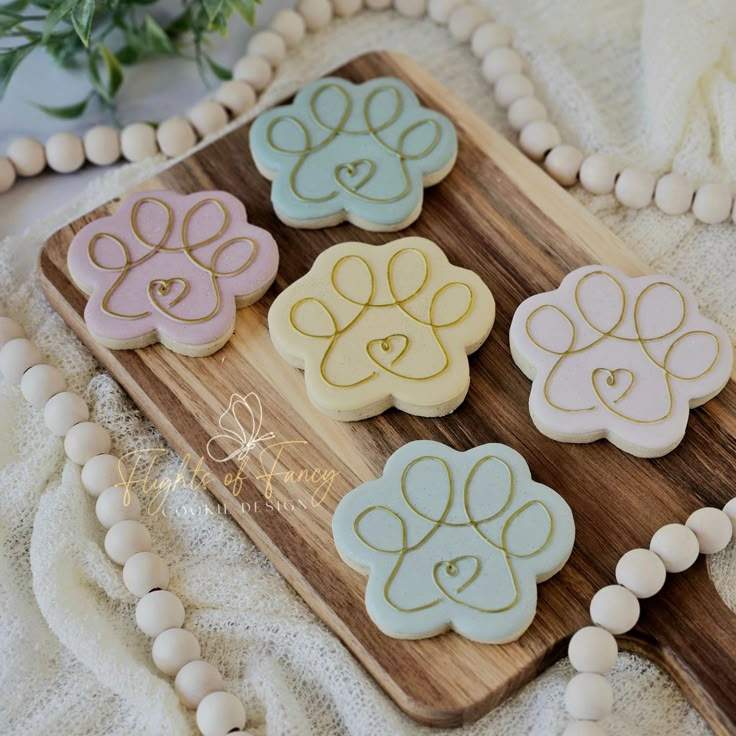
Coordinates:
[241,426]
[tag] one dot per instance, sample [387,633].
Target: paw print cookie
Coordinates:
[618,358]
[380,326]
[171,268]
[362,153]
[454,540]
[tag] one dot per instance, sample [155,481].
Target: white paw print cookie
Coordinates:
[454,540]
[618,357]
[379,326]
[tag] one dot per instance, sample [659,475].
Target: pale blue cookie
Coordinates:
[454,540]
[362,153]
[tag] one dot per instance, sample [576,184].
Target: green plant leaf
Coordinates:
[17,6]
[219,71]
[158,40]
[107,88]
[65,112]
[10,59]
[82,17]
[247,9]
[213,8]
[56,15]
[9,20]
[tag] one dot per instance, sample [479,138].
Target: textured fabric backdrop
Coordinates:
[653,82]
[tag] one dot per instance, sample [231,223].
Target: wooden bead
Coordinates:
[712,527]
[713,203]
[115,504]
[499,62]
[101,472]
[588,697]
[730,510]
[642,572]
[9,330]
[583,728]
[7,174]
[65,153]
[512,87]
[27,156]
[174,648]
[195,681]
[269,45]
[63,411]
[635,188]
[40,383]
[615,608]
[158,610]
[236,96]
[254,70]
[85,440]
[175,136]
[102,145]
[346,8]
[464,20]
[144,572]
[290,26]
[208,117]
[598,174]
[563,163]
[16,357]
[489,36]
[377,4]
[677,547]
[220,713]
[411,8]
[138,142]
[440,10]
[128,538]
[537,138]
[593,649]
[316,13]
[674,194]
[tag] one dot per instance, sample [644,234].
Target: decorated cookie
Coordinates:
[380,326]
[454,540]
[618,357]
[357,152]
[171,268]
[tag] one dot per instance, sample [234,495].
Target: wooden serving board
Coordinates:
[500,215]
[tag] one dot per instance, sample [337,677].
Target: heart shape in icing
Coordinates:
[617,385]
[387,351]
[353,175]
[167,287]
[452,569]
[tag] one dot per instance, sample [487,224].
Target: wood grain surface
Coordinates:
[500,215]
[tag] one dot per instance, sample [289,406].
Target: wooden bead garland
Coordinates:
[673,194]
[63,411]
[615,608]
[40,382]
[159,614]
[220,713]
[125,539]
[85,440]
[144,572]
[158,610]
[174,648]
[16,357]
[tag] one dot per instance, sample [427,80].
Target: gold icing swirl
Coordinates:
[450,567]
[161,287]
[645,342]
[370,128]
[402,303]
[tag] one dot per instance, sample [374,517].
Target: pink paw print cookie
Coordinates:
[618,358]
[171,268]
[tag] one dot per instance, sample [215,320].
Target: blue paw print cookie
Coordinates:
[362,153]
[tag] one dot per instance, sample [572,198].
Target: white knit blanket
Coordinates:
[653,82]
